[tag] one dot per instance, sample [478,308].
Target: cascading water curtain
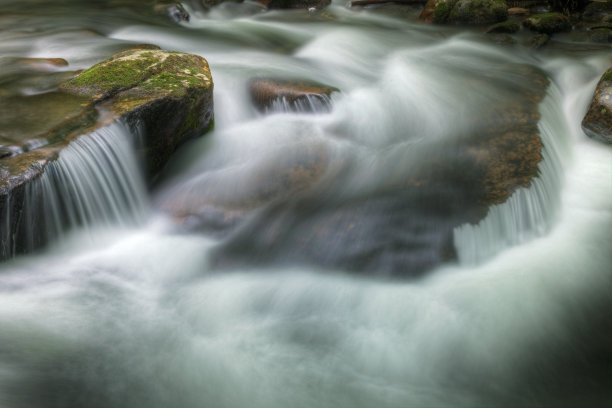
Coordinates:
[529,212]
[95,181]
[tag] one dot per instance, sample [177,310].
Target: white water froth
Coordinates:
[529,212]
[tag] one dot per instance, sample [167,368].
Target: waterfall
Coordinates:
[307,103]
[95,181]
[529,212]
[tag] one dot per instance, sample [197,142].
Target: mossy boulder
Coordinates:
[470,12]
[597,122]
[168,93]
[548,23]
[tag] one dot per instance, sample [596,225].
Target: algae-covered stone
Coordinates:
[169,93]
[472,12]
[548,23]
[597,122]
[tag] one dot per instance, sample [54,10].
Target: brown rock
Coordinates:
[518,11]
[300,96]
[427,14]
[597,123]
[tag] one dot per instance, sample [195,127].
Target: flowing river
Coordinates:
[129,309]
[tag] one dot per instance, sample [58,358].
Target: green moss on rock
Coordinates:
[548,23]
[470,12]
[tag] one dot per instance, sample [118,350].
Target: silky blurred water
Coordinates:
[142,314]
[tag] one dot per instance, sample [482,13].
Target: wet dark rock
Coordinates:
[548,23]
[597,11]
[506,27]
[597,123]
[600,35]
[295,4]
[355,3]
[302,96]
[470,12]
[538,41]
[175,11]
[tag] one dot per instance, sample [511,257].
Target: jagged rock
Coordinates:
[304,96]
[471,12]
[548,23]
[597,122]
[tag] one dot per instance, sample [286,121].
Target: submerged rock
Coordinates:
[405,226]
[286,95]
[548,23]
[471,12]
[597,122]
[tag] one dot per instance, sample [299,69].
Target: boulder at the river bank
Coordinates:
[597,122]
[166,95]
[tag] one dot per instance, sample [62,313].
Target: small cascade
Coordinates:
[311,103]
[95,181]
[529,212]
